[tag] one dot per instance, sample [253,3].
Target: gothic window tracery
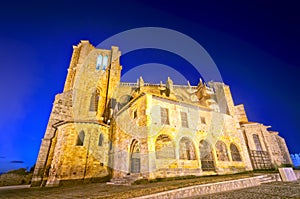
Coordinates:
[206,156]
[221,151]
[235,154]
[186,149]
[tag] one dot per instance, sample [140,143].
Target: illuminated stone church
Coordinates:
[101,129]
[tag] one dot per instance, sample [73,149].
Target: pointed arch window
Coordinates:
[186,149]
[100,143]
[94,100]
[99,62]
[235,154]
[206,156]
[221,151]
[80,138]
[105,62]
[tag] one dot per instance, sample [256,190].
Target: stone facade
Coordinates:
[100,128]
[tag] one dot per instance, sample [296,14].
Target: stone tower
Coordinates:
[76,141]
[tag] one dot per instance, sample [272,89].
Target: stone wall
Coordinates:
[148,110]
[79,162]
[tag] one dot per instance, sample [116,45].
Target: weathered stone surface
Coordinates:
[100,128]
[199,190]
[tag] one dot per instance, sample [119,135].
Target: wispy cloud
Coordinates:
[16,162]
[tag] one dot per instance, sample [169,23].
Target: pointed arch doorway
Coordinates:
[206,156]
[135,159]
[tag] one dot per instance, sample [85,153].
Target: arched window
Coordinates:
[80,138]
[105,62]
[221,151]
[186,149]
[164,147]
[94,101]
[235,154]
[206,156]
[257,142]
[99,62]
[100,142]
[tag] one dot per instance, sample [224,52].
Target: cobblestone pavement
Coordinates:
[99,190]
[274,190]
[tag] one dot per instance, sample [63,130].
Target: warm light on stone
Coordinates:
[101,129]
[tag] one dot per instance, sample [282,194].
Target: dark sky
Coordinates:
[255,45]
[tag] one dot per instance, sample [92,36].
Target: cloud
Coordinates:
[16,162]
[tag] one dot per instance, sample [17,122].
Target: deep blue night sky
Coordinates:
[255,46]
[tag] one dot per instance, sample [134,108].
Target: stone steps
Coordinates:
[269,178]
[211,188]
[126,180]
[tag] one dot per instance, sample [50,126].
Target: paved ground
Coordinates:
[102,190]
[274,190]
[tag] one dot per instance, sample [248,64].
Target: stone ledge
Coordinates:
[206,188]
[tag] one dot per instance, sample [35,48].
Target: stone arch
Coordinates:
[135,159]
[206,156]
[221,151]
[164,147]
[235,154]
[186,149]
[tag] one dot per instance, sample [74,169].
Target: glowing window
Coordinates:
[99,62]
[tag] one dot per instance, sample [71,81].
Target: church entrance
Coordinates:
[135,161]
[206,156]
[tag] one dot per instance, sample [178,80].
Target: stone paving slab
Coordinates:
[273,190]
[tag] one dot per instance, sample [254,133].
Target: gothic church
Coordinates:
[101,129]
